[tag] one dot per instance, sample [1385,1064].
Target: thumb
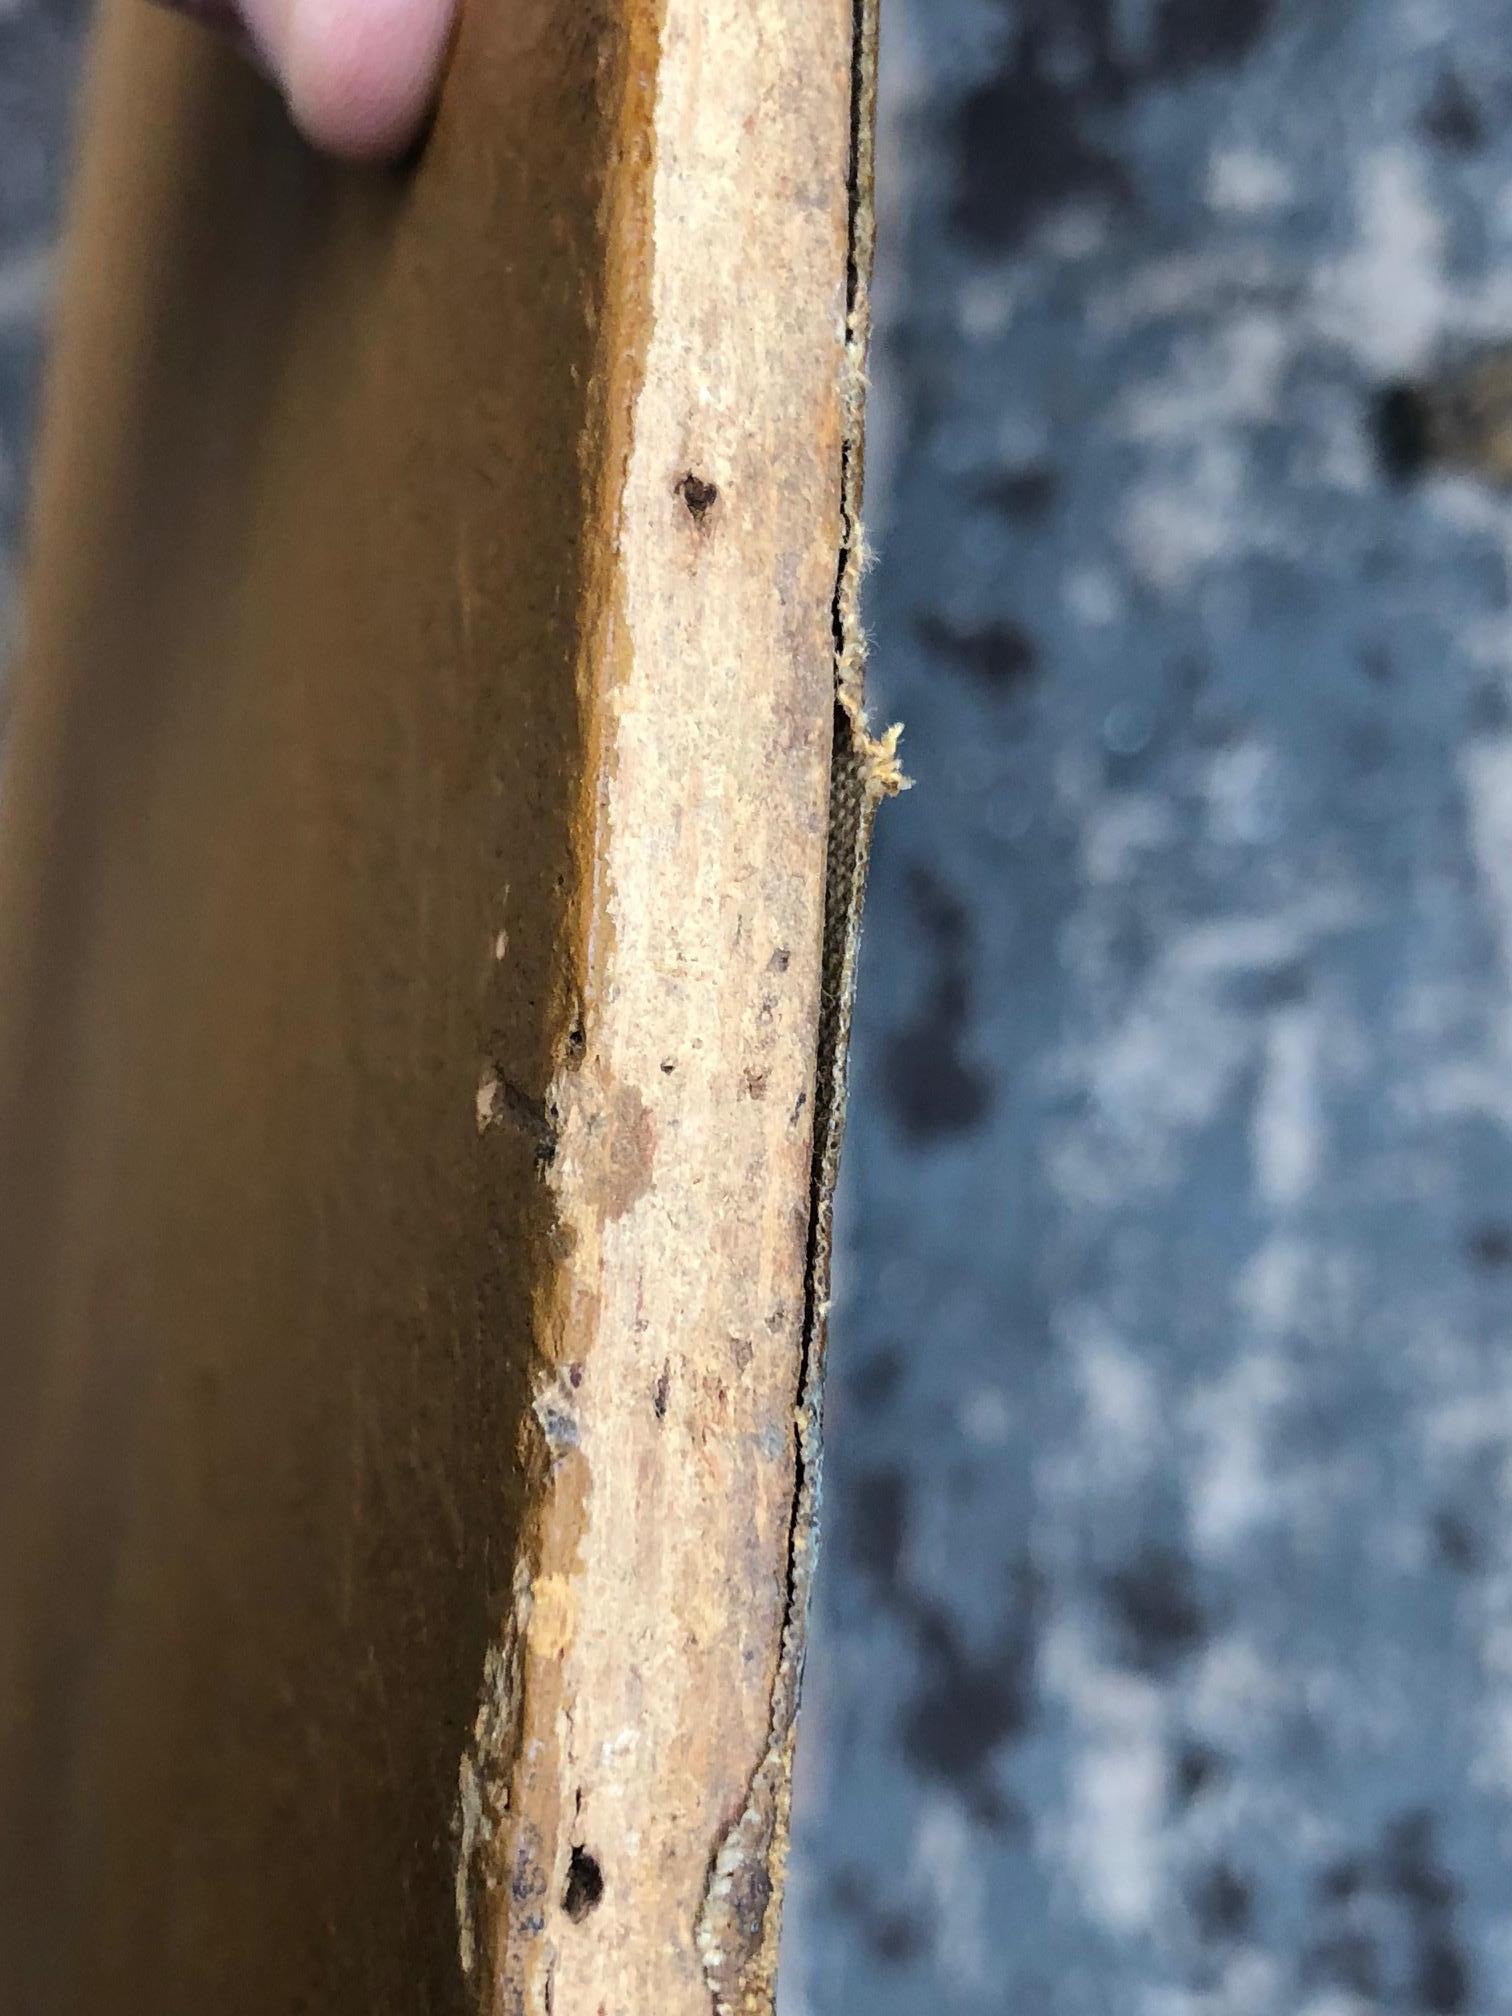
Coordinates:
[359,76]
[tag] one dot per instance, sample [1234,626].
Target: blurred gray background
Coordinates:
[1164,1664]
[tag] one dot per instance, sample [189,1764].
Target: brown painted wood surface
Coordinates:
[412,902]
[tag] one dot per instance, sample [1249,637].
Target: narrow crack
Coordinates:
[735,1939]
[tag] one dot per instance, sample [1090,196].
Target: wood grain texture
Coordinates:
[412,902]
[682,1177]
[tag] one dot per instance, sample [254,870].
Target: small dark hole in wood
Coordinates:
[699,496]
[585,1886]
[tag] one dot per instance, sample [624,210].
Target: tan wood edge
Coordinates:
[636,1727]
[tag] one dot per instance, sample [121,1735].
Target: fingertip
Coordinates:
[360,76]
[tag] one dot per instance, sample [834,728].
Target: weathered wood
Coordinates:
[416,1006]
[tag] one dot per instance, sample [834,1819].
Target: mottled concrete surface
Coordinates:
[1165,1658]
[1166,1650]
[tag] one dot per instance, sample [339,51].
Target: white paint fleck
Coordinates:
[1286,1134]
[987,1418]
[27,278]
[1075,232]
[1178,523]
[487,1101]
[1247,1982]
[1121,1398]
[1160,290]
[1167,1066]
[1223,378]
[1108,1844]
[1469,1423]
[949,1866]
[1338,2004]
[1121,831]
[1272,1284]
[1236,1694]
[1093,597]
[1386,301]
[1244,182]
[985,304]
[1241,786]
[1233,1485]
[1486,771]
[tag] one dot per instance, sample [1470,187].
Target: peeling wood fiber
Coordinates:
[431,842]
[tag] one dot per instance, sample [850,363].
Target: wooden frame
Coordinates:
[436,804]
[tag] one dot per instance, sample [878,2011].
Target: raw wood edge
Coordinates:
[751,1863]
